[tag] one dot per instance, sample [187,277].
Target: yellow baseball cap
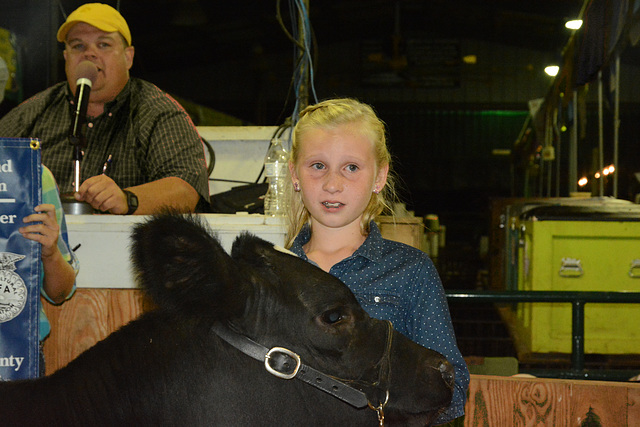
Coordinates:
[101,16]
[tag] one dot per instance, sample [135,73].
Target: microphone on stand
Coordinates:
[86,73]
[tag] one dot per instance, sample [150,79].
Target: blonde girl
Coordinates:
[341,180]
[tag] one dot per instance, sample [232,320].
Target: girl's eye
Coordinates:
[317,166]
[352,168]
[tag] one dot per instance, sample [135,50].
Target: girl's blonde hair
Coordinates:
[330,114]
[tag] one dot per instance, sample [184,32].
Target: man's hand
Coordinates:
[103,194]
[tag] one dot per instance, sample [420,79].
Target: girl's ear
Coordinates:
[381,179]
[292,172]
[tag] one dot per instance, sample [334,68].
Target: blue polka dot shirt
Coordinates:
[396,282]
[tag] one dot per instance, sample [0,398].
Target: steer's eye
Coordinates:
[332,316]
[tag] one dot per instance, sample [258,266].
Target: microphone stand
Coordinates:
[70,205]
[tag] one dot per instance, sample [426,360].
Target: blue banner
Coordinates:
[20,193]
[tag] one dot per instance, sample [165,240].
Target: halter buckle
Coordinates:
[287,353]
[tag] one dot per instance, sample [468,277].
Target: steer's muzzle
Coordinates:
[446,370]
[422,380]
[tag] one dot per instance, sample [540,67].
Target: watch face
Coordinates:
[132,202]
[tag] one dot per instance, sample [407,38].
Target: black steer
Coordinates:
[171,367]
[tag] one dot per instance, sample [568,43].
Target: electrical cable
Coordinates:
[303,53]
[303,58]
[276,134]
[212,156]
[283,26]
[64,14]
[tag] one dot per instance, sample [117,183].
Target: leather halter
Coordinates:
[286,364]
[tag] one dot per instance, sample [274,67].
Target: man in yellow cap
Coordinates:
[142,150]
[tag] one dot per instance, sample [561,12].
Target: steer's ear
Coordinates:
[183,267]
[255,251]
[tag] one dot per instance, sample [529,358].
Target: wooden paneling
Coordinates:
[88,317]
[513,401]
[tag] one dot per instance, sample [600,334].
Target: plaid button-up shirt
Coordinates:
[146,134]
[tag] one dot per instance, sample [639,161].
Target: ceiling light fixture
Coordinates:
[574,24]
[552,70]
[470,59]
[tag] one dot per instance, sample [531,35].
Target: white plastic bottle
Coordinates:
[276,171]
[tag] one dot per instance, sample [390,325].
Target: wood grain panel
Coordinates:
[88,317]
[509,401]
[634,406]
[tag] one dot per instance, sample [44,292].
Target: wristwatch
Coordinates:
[132,201]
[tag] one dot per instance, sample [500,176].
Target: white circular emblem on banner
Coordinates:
[13,291]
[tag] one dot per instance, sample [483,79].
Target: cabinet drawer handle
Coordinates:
[634,271]
[571,267]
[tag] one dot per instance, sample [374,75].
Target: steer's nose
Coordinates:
[446,370]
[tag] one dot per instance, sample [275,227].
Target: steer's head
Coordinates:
[319,317]
[277,299]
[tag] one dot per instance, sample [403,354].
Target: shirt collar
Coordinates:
[372,246]
[370,249]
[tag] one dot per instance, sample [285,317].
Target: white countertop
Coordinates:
[103,241]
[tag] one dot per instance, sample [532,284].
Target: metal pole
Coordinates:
[577,330]
[573,150]
[616,126]
[556,159]
[600,135]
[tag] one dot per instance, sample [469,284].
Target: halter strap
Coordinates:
[286,364]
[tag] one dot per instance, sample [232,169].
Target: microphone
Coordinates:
[86,73]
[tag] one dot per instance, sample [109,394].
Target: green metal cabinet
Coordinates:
[578,248]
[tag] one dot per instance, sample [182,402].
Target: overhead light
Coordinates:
[574,24]
[470,59]
[552,70]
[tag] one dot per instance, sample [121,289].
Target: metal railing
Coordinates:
[577,299]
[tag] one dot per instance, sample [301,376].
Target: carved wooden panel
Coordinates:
[509,401]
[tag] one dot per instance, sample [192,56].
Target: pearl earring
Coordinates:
[296,187]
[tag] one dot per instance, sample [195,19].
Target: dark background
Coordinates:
[449,122]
